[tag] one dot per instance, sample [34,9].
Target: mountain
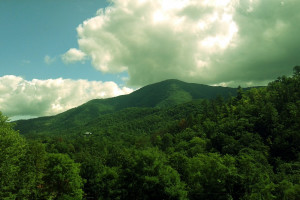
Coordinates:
[159,95]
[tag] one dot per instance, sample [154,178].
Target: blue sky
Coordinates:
[56,55]
[33,29]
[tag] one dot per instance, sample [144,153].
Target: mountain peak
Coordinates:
[158,95]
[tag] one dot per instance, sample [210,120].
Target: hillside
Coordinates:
[159,95]
[244,147]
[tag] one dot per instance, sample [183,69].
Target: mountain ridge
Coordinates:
[163,94]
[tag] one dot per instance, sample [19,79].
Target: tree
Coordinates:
[239,93]
[256,175]
[146,175]
[36,158]
[15,179]
[212,176]
[61,179]
[296,70]
[196,145]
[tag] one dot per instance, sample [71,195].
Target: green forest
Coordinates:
[244,146]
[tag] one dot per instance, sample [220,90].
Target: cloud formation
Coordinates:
[72,56]
[48,60]
[225,42]
[20,97]
[26,62]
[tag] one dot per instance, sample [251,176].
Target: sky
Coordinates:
[56,55]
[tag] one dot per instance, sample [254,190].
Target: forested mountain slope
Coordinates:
[244,147]
[159,95]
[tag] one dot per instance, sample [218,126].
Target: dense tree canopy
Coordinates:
[244,147]
[28,172]
[12,154]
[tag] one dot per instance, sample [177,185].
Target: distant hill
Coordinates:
[159,95]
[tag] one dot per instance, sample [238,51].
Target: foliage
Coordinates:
[61,178]
[28,172]
[243,147]
[159,95]
[14,181]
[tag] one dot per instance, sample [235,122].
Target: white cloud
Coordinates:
[73,55]
[155,40]
[26,62]
[209,41]
[48,60]
[20,97]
